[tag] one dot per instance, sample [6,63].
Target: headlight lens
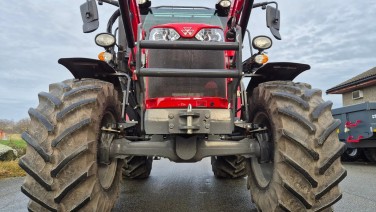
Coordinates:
[105,40]
[262,42]
[261,59]
[165,34]
[210,35]
[225,3]
[141,1]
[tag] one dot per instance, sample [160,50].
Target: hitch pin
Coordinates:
[189,120]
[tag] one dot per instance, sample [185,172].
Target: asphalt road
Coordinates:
[192,187]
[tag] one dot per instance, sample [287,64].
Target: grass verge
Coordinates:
[10,169]
[15,144]
[15,141]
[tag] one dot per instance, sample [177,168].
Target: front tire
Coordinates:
[63,173]
[137,167]
[229,167]
[304,169]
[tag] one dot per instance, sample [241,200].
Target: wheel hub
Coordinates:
[263,166]
[106,168]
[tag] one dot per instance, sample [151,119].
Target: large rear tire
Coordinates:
[63,140]
[370,154]
[137,167]
[352,154]
[304,169]
[229,167]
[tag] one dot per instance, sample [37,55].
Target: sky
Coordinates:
[337,38]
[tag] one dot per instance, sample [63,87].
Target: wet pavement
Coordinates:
[184,187]
[192,187]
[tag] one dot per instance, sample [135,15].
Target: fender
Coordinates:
[96,69]
[90,68]
[281,71]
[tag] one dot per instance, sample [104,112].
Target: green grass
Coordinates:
[15,144]
[15,141]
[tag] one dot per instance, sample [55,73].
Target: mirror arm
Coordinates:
[112,2]
[263,5]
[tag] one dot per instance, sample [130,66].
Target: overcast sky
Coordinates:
[337,38]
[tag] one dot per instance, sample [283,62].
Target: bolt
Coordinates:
[171,116]
[207,115]
[207,126]
[171,126]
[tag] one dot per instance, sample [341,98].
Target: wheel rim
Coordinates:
[264,172]
[352,152]
[107,173]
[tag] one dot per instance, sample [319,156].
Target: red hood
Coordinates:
[186,30]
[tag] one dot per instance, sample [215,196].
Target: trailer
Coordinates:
[358,130]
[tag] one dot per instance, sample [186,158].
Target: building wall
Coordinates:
[369,95]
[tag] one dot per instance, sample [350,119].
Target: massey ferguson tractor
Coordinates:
[169,84]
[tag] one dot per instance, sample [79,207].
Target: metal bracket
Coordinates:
[104,148]
[265,154]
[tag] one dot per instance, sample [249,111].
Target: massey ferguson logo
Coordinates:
[187,31]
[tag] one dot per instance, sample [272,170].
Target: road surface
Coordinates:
[192,187]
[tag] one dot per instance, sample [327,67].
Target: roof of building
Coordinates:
[361,78]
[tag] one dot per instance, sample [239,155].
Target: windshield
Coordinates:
[171,14]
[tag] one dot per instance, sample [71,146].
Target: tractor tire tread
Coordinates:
[137,167]
[308,171]
[62,148]
[229,167]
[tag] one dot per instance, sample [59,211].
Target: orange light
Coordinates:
[105,56]
[101,56]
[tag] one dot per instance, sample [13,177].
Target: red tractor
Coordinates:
[170,84]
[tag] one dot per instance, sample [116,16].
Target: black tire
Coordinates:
[61,159]
[304,169]
[352,154]
[370,154]
[137,167]
[229,167]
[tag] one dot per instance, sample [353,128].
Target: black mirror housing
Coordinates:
[89,14]
[273,21]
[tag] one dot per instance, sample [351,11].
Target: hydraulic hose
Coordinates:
[125,14]
[112,20]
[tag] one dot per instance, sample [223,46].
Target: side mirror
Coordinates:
[273,21]
[89,14]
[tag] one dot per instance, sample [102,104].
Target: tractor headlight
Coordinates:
[262,42]
[105,40]
[165,34]
[210,35]
[225,3]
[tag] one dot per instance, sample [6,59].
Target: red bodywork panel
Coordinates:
[187,30]
[183,102]
[136,17]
